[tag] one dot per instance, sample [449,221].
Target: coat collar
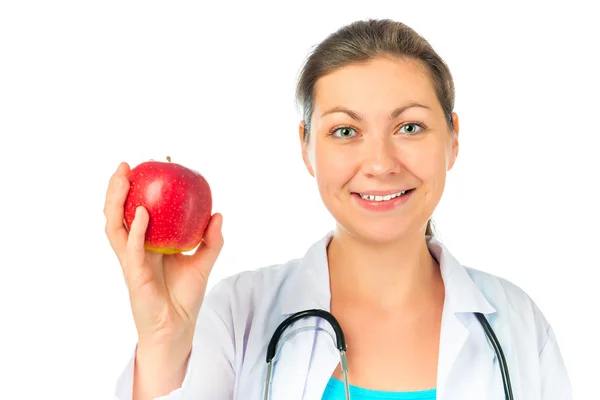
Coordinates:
[309,283]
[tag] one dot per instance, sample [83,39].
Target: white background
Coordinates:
[85,85]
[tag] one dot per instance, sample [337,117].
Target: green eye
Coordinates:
[343,132]
[413,128]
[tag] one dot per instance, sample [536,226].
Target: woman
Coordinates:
[378,134]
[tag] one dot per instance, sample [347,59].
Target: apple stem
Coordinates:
[168,159]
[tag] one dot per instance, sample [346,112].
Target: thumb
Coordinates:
[135,252]
[209,249]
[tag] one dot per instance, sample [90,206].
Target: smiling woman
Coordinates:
[379,134]
[385,64]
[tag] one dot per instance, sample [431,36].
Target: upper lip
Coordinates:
[383,192]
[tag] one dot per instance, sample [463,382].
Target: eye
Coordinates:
[413,128]
[343,132]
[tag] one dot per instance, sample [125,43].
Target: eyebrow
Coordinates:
[356,116]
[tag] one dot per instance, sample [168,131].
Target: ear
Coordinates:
[455,142]
[305,148]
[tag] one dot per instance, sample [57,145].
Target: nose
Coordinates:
[380,158]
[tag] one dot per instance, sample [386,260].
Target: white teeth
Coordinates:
[381,198]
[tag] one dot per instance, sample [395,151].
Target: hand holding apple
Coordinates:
[166,288]
[178,201]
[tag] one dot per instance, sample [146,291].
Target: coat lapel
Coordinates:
[453,336]
[308,357]
[460,349]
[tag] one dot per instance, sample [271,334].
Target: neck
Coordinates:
[389,275]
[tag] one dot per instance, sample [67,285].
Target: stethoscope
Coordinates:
[341,346]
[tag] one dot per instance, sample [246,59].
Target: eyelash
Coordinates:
[332,132]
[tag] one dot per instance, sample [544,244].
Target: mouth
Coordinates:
[382,196]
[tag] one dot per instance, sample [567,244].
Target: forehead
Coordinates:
[376,85]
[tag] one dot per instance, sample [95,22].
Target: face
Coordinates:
[379,148]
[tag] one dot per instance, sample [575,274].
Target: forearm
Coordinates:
[159,371]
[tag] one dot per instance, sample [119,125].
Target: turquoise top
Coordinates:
[335,391]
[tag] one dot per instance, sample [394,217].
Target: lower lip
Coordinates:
[385,205]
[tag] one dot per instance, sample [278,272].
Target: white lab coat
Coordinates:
[240,314]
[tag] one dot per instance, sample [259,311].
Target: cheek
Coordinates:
[433,171]
[332,168]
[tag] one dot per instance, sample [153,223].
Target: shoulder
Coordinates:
[500,291]
[247,292]
[513,305]
[261,280]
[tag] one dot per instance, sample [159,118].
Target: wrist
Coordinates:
[163,341]
[171,351]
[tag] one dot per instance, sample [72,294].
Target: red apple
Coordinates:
[179,203]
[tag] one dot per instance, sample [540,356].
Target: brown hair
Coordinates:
[365,40]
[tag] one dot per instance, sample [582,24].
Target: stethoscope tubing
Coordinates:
[341,346]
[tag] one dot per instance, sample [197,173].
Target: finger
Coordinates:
[135,252]
[122,170]
[114,210]
[206,254]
